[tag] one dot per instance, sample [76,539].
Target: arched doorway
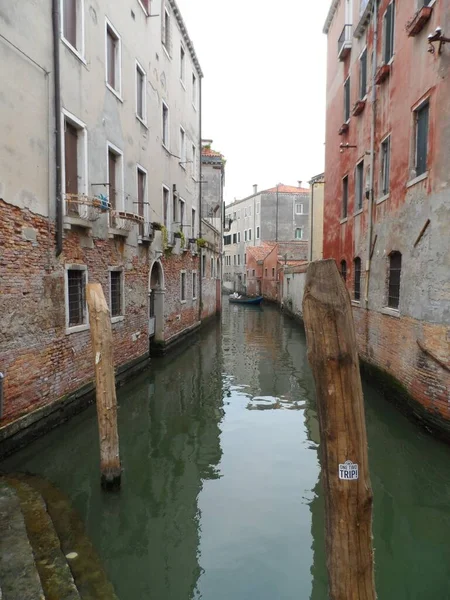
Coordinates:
[156,302]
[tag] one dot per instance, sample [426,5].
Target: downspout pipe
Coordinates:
[56,19]
[372,153]
[200,194]
[311,226]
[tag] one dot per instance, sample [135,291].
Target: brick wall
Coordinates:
[39,360]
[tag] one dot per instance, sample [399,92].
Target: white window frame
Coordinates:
[120,196]
[194,160]
[85,326]
[239,237]
[146,12]
[79,53]
[82,152]
[165,143]
[384,39]
[239,260]
[299,212]
[183,272]
[118,62]
[245,235]
[139,167]
[194,90]
[120,317]
[166,38]
[301,233]
[385,195]
[140,71]
[182,148]
[193,224]
[183,66]
[169,208]
[194,278]
[250,234]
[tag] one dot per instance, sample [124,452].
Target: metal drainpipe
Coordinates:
[58,145]
[311,226]
[372,151]
[200,235]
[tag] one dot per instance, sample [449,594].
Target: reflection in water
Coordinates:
[221,495]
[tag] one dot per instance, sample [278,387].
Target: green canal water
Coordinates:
[221,495]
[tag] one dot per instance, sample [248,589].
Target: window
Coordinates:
[249,235]
[234,260]
[182,64]
[234,238]
[193,228]
[166,194]
[166,33]
[226,240]
[194,160]
[363,75]
[299,209]
[239,237]
[113,58]
[359,185]
[357,279]
[239,260]
[183,286]
[385,165]
[395,269]
[344,270]
[265,272]
[273,272]
[347,100]
[299,233]
[249,211]
[345,197]
[253,272]
[76,311]
[212,266]
[194,90]
[421,134]
[245,235]
[72,15]
[388,33]
[203,265]
[140,93]
[257,208]
[194,285]
[75,163]
[245,259]
[174,208]
[165,124]
[182,148]
[181,205]
[141,193]
[116,292]
[257,233]
[115,177]
[245,212]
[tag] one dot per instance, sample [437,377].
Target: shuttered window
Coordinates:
[395,269]
[422,119]
[357,279]
[388,33]
[70,22]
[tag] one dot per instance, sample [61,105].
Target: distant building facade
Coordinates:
[387,200]
[279,214]
[317,193]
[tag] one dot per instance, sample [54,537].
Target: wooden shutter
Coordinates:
[70,21]
[111,57]
[71,166]
[112,164]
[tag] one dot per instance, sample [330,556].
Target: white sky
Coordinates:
[264,66]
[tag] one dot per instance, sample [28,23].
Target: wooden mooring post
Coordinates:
[102,348]
[333,357]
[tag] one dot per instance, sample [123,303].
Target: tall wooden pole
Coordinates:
[334,361]
[102,347]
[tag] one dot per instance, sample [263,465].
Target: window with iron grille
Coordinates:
[422,119]
[359,185]
[116,291]
[388,33]
[345,197]
[385,165]
[363,75]
[357,279]
[344,270]
[183,286]
[347,100]
[395,269]
[76,296]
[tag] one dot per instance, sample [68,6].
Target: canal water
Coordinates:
[221,496]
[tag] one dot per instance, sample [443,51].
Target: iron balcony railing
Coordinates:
[345,41]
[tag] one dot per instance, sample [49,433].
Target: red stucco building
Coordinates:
[387,195]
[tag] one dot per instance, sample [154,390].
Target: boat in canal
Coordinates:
[245,300]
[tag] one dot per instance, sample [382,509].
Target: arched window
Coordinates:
[395,269]
[357,278]
[344,270]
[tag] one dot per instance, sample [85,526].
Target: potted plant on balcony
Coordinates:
[157,226]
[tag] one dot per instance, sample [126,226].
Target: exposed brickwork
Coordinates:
[39,360]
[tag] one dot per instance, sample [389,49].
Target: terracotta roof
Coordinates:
[260,252]
[292,263]
[211,152]
[288,189]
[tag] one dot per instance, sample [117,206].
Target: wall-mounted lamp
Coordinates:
[437,36]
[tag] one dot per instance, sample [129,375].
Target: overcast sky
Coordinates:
[263,88]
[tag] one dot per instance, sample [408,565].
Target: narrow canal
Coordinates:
[221,496]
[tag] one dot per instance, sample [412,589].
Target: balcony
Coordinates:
[121,223]
[345,42]
[82,211]
[365,10]
[146,233]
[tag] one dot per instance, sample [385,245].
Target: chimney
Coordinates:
[255,188]
[300,184]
